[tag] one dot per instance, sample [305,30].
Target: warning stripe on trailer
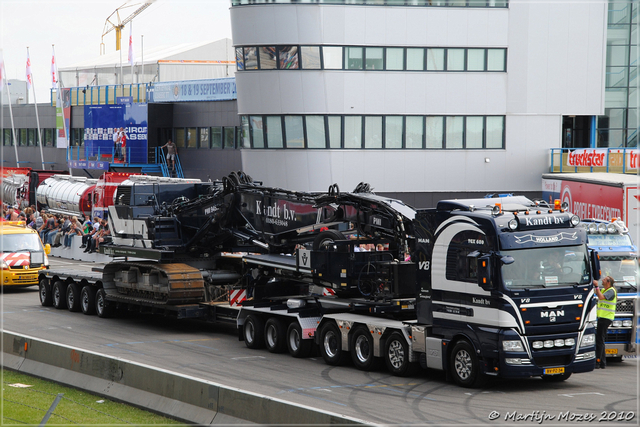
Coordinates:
[237,296]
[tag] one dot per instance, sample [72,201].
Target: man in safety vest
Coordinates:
[606,312]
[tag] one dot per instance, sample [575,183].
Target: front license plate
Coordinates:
[553,371]
[611,351]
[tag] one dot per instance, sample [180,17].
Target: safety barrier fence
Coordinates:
[580,160]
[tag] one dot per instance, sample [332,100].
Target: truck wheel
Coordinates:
[275,335]
[362,350]
[104,308]
[325,240]
[396,356]
[73,297]
[556,378]
[253,329]
[331,345]
[88,300]
[297,346]
[465,367]
[46,297]
[60,295]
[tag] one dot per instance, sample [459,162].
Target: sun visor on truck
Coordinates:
[543,238]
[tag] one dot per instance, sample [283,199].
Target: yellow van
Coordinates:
[22,255]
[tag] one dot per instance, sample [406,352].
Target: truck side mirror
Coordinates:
[595,265]
[484,272]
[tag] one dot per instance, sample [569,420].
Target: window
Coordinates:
[353,58]
[353,132]
[229,137]
[435,132]
[455,128]
[22,137]
[474,132]
[475,59]
[294,131]
[257,132]
[274,132]
[216,137]
[310,57]
[192,138]
[332,57]
[415,131]
[268,58]
[246,140]
[239,59]
[459,266]
[204,138]
[455,59]
[315,132]
[250,58]
[8,137]
[374,58]
[496,59]
[288,56]
[495,132]
[435,59]
[393,132]
[373,132]
[49,137]
[32,137]
[335,131]
[415,59]
[395,58]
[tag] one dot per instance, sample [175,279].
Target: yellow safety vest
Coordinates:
[607,309]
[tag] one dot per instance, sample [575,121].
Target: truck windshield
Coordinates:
[546,267]
[20,242]
[623,269]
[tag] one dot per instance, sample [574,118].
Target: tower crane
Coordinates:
[114,22]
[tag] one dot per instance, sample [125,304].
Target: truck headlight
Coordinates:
[4,265]
[627,323]
[588,340]
[616,324]
[515,345]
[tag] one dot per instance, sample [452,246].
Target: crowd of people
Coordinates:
[60,230]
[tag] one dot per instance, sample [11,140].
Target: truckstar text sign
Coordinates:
[590,158]
[603,157]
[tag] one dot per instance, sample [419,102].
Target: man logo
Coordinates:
[552,314]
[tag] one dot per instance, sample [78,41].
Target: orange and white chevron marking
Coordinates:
[16,259]
[328,292]
[237,296]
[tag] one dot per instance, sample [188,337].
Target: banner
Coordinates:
[603,157]
[194,90]
[63,117]
[100,123]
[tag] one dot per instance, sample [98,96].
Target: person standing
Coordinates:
[116,144]
[172,152]
[606,312]
[123,145]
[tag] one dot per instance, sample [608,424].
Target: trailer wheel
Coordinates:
[297,346]
[88,300]
[465,367]
[253,329]
[104,308]
[396,356]
[556,378]
[73,297]
[46,297]
[325,240]
[362,350]
[331,345]
[60,295]
[275,335]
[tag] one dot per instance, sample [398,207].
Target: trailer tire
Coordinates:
[104,308]
[59,293]
[331,345]
[46,297]
[73,297]
[362,350]
[275,335]
[88,300]
[324,241]
[465,368]
[253,330]
[396,356]
[297,346]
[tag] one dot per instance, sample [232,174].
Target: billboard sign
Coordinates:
[194,90]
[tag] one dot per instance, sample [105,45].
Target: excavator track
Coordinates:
[168,284]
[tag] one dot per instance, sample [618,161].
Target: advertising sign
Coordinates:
[603,157]
[88,164]
[63,117]
[100,123]
[194,90]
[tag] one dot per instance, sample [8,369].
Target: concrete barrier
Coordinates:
[174,395]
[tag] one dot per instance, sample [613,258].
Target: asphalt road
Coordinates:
[213,352]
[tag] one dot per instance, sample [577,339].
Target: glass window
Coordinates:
[274,132]
[415,131]
[616,118]
[353,132]
[496,59]
[353,58]
[393,131]
[310,57]
[455,59]
[294,131]
[246,141]
[250,58]
[477,3]
[288,57]
[257,132]
[475,59]
[632,120]
[455,127]
[192,138]
[332,57]
[435,59]
[216,137]
[415,59]
[180,138]
[8,137]
[48,135]
[335,131]
[239,59]
[373,132]
[474,132]
[495,132]
[268,58]
[204,138]
[395,58]
[229,137]
[315,132]
[617,55]
[22,137]
[374,58]
[616,77]
[435,132]
[457,3]
[31,137]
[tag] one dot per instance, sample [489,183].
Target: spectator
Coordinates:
[100,236]
[64,229]
[51,234]
[172,152]
[75,229]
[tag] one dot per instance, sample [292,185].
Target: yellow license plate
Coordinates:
[553,371]
[611,351]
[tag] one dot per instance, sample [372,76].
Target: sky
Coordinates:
[75,27]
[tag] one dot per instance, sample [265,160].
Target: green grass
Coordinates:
[28,405]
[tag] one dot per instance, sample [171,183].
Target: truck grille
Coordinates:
[621,336]
[552,360]
[625,306]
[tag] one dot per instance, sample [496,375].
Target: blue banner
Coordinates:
[194,90]
[100,123]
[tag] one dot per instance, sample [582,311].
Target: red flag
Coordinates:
[29,75]
[54,78]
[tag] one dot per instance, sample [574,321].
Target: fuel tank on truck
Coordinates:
[67,195]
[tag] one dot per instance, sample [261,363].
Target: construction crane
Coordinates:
[114,22]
